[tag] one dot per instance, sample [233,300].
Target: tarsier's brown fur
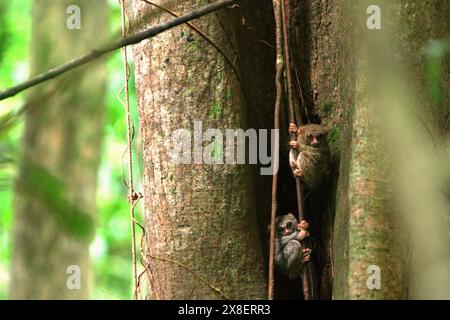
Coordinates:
[311,163]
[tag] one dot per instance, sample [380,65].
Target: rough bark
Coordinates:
[358,216]
[203,216]
[56,183]
[381,229]
[324,60]
[357,209]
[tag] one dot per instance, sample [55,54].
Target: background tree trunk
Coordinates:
[378,227]
[56,184]
[204,216]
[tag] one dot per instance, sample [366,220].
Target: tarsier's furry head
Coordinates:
[313,135]
[286,224]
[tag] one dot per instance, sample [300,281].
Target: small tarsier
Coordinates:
[290,254]
[311,163]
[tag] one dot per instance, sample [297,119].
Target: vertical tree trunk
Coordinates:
[360,220]
[358,216]
[324,61]
[377,210]
[55,188]
[203,216]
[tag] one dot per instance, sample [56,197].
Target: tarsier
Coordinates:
[311,163]
[290,255]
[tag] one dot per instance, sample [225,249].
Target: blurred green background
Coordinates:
[111,249]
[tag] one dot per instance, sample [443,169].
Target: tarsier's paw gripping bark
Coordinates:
[302,228]
[306,254]
[293,128]
[298,172]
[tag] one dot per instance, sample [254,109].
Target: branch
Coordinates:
[96,53]
[217,290]
[278,101]
[308,278]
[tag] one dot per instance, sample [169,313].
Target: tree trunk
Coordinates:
[204,216]
[382,198]
[356,214]
[196,214]
[56,184]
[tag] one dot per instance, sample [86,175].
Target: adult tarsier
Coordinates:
[290,255]
[311,163]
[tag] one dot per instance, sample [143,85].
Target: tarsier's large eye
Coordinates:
[309,136]
[289,225]
[280,229]
[319,136]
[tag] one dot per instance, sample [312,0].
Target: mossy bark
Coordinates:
[356,221]
[371,228]
[355,214]
[204,216]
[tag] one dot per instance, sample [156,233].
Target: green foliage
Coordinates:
[38,182]
[14,40]
[4,29]
[111,249]
[14,43]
